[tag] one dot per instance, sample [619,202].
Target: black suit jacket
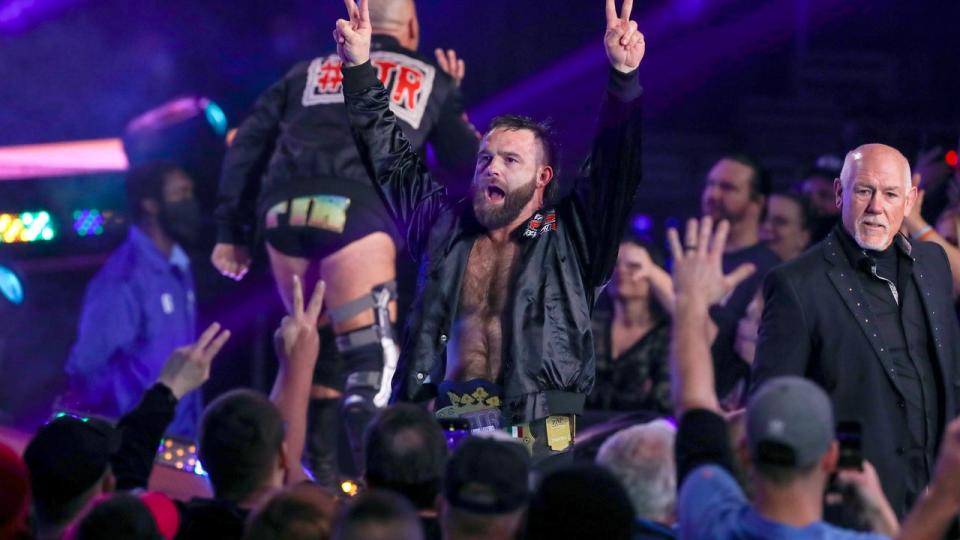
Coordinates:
[816,323]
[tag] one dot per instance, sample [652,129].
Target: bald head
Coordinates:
[875,156]
[391,14]
[874,194]
[396,18]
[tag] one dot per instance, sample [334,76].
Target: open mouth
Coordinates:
[495,194]
[874,227]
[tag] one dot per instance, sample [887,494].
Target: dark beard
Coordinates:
[497,216]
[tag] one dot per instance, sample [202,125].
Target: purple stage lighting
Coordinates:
[20,15]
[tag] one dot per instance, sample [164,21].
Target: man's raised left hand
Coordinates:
[623,41]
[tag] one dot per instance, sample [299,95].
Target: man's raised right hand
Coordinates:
[353,36]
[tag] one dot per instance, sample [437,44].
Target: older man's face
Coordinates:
[875,197]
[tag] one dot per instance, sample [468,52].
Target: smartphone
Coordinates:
[849,436]
[842,505]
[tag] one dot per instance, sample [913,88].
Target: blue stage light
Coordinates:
[10,286]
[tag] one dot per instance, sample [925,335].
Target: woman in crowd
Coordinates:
[631,328]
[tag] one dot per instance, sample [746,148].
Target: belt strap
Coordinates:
[358,338]
[347,311]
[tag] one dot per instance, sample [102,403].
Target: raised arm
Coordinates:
[297,343]
[410,194]
[604,193]
[698,283]
[455,139]
[141,430]
[940,502]
[919,230]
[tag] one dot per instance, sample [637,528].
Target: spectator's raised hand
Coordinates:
[698,265]
[297,340]
[188,367]
[866,484]
[938,507]
[622,40]
[451,65]
[353,36]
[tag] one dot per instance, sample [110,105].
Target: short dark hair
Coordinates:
[406,452]
[781,475]
[374,515]
[543,132]
[121,516]
[760,182]
[146,182]
[301,512]
[68,458]
[806,210]
[240,435]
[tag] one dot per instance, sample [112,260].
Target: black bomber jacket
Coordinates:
[567,253]
[297,136]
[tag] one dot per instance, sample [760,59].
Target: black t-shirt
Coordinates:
[729,367]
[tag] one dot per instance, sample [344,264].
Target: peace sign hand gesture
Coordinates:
[297,341]
[624,43]
[188,367]
[353,36]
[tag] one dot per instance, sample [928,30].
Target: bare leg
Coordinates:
[354,270]
[350,273]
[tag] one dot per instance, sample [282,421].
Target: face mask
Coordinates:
[181,220]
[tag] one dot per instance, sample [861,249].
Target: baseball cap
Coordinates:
[164,512]
[789,422]
[68,455]
[488,476]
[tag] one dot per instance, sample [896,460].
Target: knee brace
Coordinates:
[362,364]
[370,360]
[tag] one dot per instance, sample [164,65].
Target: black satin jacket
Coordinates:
[297,138]
[567,253]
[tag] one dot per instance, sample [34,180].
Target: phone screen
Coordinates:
[849,435]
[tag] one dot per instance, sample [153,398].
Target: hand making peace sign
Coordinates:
[188,367]
[353,36]
[624,43]
[297,340]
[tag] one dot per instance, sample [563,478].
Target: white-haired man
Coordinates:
[868,315]
[642,458]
